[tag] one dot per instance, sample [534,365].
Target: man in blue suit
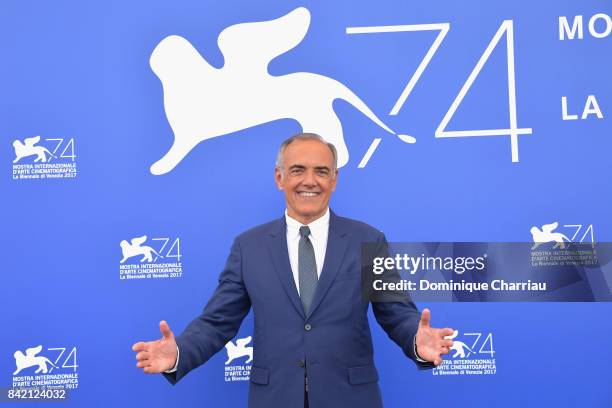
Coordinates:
[301,274]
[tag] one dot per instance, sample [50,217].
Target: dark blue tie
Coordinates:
[307,269]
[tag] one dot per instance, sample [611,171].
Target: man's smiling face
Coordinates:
[307,177]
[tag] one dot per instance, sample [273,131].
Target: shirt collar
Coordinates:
[317,227]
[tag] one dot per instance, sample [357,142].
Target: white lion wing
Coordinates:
[254,45]
[32,351]
[31,141]
[138,240]
[548,228]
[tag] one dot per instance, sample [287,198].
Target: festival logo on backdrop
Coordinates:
[558,237]
[569,244]
[49,158]
[471,354]
[238,371]
[157,259]
[56,367]
[202,102]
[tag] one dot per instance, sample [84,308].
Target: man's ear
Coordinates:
[278,178]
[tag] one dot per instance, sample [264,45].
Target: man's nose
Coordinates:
[309,178]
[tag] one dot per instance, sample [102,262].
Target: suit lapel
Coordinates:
[279,253]
[337,243]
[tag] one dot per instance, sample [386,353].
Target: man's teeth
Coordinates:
[307,194]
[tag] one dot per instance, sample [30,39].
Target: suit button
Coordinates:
[307,327]
[301,363]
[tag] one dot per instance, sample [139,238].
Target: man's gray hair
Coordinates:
[304,136]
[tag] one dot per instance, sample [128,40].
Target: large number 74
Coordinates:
[505,28]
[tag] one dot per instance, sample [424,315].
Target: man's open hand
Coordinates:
[430,342]
[159,355]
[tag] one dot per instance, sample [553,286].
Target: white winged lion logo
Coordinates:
[202,102]
[458,346]
[239,349]
[30,359]
[27,148]
[547,234]
[135,248]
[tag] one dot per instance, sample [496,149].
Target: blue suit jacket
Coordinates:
[332,344]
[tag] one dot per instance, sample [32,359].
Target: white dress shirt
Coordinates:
[319,230]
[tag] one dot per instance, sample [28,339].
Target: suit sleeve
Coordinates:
[398,316]
[219,321]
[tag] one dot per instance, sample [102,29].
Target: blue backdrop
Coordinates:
[79,75]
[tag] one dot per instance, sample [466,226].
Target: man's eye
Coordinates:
[322,173]
[296,171]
